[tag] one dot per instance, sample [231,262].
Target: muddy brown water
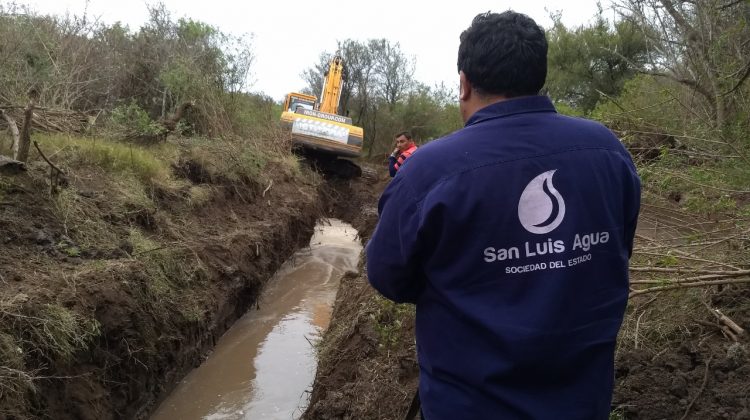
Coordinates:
[263,367]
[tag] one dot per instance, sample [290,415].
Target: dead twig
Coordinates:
[56,175]
[683,270]
[710,244]
[700,391]
[685,257]
[737,331]
[711,187]
[270,184]
[728,275]
[687,285]
[637,326]
[47,160]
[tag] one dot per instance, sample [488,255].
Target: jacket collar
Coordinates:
[512,106]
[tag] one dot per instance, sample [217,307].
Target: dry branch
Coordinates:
[711,187]
[270,184]
[681,270]
[634,293]
[724,275]
[52,165]
[684,257]
[52,120]
[736,329]
[56,175]
[700,391]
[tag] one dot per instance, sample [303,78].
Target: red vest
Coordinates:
[404,155]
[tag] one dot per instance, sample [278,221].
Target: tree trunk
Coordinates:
[25,137]
[13,131]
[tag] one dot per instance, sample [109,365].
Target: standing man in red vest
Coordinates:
[405,147]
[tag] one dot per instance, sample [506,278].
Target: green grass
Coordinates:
[712,188]
[387,319]
[148,165]
[52,330]
[241,162]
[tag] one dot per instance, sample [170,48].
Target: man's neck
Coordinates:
[481,101]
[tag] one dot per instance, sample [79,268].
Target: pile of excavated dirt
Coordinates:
[100,329]
[698,374]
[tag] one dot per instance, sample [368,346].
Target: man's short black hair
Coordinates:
[504,54]
[405,134]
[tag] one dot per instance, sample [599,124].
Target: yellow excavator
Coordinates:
[319,132]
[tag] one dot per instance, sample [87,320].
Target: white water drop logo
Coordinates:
[541,208]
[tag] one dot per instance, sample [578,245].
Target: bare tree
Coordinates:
[702,44]
[394,70]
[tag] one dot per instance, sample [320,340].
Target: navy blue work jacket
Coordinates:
[512,236]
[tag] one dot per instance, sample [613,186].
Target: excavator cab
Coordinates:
[318,131]
[296,101]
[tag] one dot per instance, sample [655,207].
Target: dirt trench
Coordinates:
[136,320]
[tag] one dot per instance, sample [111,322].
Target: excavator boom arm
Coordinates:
[332,84]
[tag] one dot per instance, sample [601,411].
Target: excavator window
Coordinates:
[296,102]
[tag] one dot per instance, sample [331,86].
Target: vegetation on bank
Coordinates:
[120,214]
[123,217]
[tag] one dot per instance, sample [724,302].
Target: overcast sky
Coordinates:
[427,31]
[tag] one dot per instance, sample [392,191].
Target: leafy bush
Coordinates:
[131,121]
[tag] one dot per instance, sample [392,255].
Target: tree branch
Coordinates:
[730,4]
[678,18]
[52,165]
[687,82]
[681,270]
[739,82]
[694,279]
[634,293]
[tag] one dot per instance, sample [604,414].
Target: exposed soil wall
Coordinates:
[123,324]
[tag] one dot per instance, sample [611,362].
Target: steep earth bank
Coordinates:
[101,329]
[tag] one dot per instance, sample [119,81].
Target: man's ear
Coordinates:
[464,87]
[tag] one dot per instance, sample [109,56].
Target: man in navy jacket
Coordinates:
[512,236]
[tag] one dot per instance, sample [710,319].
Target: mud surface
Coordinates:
[697,375]
[675,360]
